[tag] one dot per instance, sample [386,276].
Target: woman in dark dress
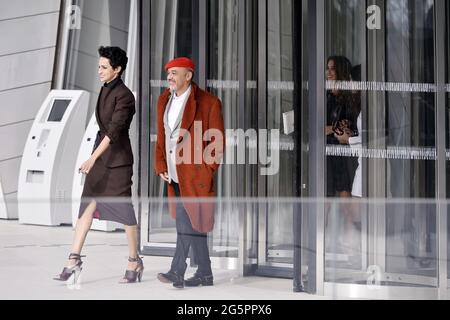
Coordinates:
[107,189]
[342,113]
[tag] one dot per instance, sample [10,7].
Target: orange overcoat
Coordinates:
[202,112]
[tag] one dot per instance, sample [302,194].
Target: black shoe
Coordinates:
[199,280]
[298,284]
[179,284]
[167,277]
[298,288]
[172,277]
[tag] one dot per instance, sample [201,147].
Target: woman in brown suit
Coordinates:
[110,167]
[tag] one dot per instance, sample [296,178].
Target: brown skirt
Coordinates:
[111,189]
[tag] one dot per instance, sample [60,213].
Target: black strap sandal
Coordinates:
[132,275]
[74,270]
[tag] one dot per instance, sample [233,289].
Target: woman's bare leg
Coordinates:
[81,229]
[131,232]
[348,209]
[352,237]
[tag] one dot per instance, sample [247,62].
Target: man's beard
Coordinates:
[172,88]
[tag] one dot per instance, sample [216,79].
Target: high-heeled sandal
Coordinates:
[71,271]
[132,275]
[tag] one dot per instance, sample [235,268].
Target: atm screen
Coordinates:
[58,109]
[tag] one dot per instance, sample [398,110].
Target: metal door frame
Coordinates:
[265,267]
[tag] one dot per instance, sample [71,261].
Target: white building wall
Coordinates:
[103,22]
[28,33]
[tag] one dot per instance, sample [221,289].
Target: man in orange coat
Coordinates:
[189,149]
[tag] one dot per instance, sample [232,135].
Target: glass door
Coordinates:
[280,74]
[380,75]
[410,59]
[170,35]
[223,82]
[210,32]
[447,136]
[280,103]
[345,223]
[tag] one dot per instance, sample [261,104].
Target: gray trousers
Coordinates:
[186,237]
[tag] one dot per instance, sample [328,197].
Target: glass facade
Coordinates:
[378,156]
[411,125]
[389,75]
[447,128]
[169,37]
[223,82]
[280,100]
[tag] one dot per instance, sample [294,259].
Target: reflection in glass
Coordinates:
[222,82]
[447,137]
[410,230]
[280,100]
[345,52]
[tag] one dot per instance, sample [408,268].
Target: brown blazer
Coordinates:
[195,180]
[114,112]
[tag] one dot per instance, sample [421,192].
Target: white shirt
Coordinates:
[356,142]
[176,106]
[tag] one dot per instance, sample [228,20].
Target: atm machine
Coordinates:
[84,153]
[46,172]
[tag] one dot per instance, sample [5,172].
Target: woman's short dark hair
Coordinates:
[117,57]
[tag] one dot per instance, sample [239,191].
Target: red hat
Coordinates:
[182,62]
